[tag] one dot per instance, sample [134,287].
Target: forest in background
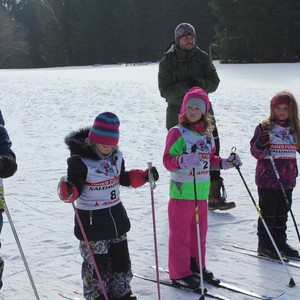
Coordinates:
[51,33]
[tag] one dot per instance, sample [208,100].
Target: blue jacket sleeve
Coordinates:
[8,165]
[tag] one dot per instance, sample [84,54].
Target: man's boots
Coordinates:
[215,199]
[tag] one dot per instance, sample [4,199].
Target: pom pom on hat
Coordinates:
[183,29]
[105,129]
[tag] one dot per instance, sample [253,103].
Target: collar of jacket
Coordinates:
[182,54]
[76,142]
[284,123]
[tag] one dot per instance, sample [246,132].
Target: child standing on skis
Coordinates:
[190,145]
[96,169]
[279,137]
[8,167]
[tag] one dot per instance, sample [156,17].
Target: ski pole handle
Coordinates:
[150,176]
[233,152]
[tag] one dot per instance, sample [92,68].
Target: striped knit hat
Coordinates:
[105,129]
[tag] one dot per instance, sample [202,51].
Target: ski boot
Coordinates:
[215,199]
[128,296]
[269,253]
[288,250]
[190,282]
[208,276]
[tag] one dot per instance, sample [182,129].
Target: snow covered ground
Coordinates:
[42,106]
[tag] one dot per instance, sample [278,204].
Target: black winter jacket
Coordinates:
[101,224]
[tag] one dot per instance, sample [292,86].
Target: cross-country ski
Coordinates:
[182,287]
[70,296]
[233,288]
[288,258]
[253,253]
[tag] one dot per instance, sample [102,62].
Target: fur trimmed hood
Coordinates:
[76,142]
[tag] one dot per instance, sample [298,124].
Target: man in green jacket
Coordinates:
[184,66]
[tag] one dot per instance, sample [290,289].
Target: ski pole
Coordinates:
[291,282]
[2,198]
[152,187]
[202,297]
[90,252]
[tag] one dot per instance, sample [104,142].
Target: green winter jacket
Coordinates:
[178,72]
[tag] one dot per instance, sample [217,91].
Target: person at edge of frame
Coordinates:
[8,167]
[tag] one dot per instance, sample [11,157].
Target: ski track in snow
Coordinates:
[42,106]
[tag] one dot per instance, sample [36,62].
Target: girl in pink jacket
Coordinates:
[190,145]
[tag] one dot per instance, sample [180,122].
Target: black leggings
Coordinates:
[274,210]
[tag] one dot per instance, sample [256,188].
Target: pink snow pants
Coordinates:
[183,242]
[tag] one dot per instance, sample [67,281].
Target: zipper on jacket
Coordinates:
[91,217]
[116,230]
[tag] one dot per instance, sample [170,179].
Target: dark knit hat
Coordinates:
[183,29]
[105,129]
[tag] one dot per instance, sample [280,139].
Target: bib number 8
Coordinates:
[113,195]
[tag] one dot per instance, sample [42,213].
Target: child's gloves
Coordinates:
[67,191]
[138,177]
[195,82]
[263,140]
[8,166]
[232,161]
[154,174]
[187,161]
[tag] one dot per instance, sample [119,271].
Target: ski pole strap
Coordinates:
[150,176]
[197,213]
[233,152]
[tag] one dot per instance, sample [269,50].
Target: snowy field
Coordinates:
[42,106]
